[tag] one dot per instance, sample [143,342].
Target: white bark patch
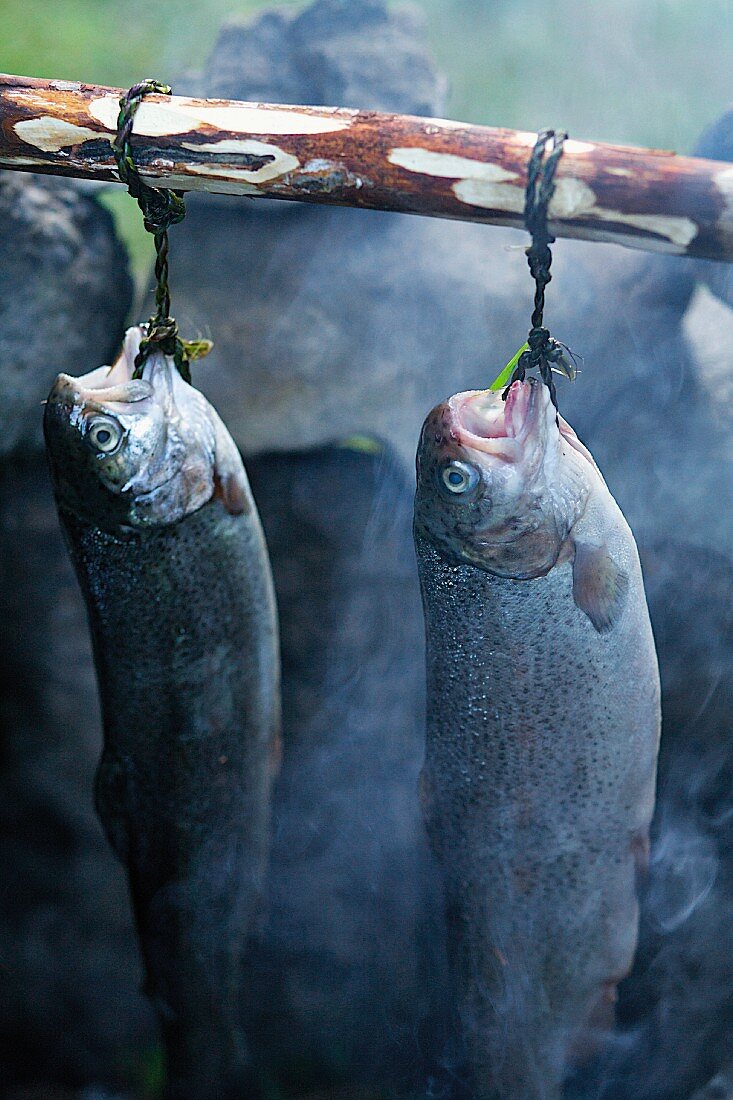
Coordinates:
[447,166]
[282,164]
[181,116]
[52,134]
[572,198]
[221,185]
[575,199]
[679,231]
[616,236]
[490,196]
[572,146]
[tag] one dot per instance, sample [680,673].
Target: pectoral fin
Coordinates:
[600,587]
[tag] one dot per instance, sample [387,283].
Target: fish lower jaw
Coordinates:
[499,448]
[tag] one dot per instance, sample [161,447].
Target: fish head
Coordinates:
[128,452]
[493,489]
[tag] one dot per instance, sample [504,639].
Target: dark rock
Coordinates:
[345,53]
[66,294]
[70,1007]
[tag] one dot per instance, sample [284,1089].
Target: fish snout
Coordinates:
[61,414]
[65,392]
[438,432]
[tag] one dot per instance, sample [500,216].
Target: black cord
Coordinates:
[544,354]
[161,209]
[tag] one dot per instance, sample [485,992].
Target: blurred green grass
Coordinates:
[651,72]
[648,72]
[112,42]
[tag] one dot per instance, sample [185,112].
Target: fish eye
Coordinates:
[459,477]
[104,434]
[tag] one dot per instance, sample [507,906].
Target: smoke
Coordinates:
[349,969]
[683,872]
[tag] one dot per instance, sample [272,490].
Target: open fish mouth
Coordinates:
[95,391]
[483,422]
[105,385]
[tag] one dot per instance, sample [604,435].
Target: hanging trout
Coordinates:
[169,552]
[543,729]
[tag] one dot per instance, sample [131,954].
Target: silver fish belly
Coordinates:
[183,623]
[539,774]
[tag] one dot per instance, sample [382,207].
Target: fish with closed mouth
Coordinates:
[169,553]
[542,732]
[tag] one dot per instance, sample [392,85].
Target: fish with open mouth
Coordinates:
[167,545]
[542,734]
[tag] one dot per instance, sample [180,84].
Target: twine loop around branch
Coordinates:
[161,208]
[544,354]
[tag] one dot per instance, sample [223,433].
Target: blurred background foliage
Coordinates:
[649,72]
[652,72]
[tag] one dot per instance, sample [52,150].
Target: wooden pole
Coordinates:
[642,198]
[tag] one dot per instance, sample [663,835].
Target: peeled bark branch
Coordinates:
[642,198]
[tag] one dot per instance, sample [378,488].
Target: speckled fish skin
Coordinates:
[171,559]
[542,731]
